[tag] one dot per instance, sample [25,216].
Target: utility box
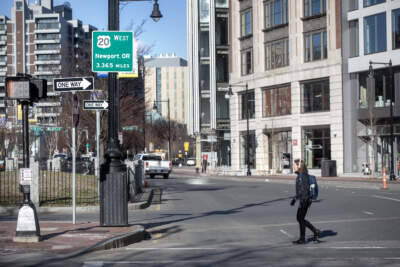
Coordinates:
[328,168]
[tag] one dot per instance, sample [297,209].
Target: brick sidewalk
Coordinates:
[61,238]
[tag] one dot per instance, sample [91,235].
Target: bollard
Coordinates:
[384,178]
[139,177]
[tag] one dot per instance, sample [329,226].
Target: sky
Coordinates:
[168,35]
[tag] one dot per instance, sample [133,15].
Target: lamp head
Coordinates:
[156,14]
[229,94]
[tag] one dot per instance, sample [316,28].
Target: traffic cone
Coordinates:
[384,178]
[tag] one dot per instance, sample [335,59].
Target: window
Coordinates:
[245,23]
[276,13]
[317,146]
[353,5]
[19,5]
[315,96]
[221,29]
[368,3]
[204,44]
[204,11]
[205,77]
[222,106]
[277,54]
[381,97]
[396,28]
[354,39]
[250,102]
[315,46]
[277,101]
[222,68]
[247,61]
[205,111]
[375,34]
[222,4]
[252,149]
[314,7]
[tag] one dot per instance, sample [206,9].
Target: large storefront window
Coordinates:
[315,96]
[252,149]
[317,146]
[277,101]
[381,96]
[250,101]
[279,149]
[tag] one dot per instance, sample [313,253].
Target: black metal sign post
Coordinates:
[113,177]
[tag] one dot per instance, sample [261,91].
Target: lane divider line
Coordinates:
[388,198]
[286,233]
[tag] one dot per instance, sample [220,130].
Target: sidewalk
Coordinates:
[62,239]
[215,173]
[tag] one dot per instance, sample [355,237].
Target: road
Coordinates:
[249,222]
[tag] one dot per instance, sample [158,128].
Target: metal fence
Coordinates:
[55,188]
[9,188]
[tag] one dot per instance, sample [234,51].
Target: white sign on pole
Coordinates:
[25,176]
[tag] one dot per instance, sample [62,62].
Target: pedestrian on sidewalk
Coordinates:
[303,196]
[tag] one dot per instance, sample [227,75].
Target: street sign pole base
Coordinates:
[28,229]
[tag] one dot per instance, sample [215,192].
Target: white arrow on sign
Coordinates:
[93,104]
[73,84]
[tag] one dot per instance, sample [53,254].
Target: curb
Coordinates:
[13,211]
[114,242]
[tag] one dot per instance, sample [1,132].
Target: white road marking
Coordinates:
[266,180]
[319,247]
[388,198]
[97,263]
[176,248]
[368,213]
[286,233]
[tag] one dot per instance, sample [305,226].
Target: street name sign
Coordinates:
[112,51]
[95,104]
[73,84]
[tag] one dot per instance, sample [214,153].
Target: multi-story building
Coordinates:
[208,49]
[166,78]
[288,53]
[371,33]
[43,41]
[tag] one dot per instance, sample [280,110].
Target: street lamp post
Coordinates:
[113,207]
[230,93]
[391,85]
[144,129]
[169,124]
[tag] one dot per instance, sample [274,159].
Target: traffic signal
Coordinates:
[25,88]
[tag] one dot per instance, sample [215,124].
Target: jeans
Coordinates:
[301,214]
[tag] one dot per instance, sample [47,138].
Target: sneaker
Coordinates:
[317,233]
[301,241]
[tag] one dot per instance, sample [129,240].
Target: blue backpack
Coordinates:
[313,187]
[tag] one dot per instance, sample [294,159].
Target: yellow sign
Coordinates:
[31,114]
[186,146]
[179,155]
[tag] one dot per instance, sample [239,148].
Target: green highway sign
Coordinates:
[130,128]
[112,51]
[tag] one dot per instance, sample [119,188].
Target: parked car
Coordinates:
[191,162]
[2,165]
[155,165]
[83,165]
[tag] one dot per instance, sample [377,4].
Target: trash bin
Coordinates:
[328,168]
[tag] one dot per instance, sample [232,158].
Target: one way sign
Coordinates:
[73,84]
[95,104]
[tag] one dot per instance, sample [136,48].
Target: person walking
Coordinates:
[303,196]
[204,165]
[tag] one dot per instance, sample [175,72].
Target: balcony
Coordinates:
[47,62]
[47,41]
[47,72]
[3,42]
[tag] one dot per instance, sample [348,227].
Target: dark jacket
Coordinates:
[302,187]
